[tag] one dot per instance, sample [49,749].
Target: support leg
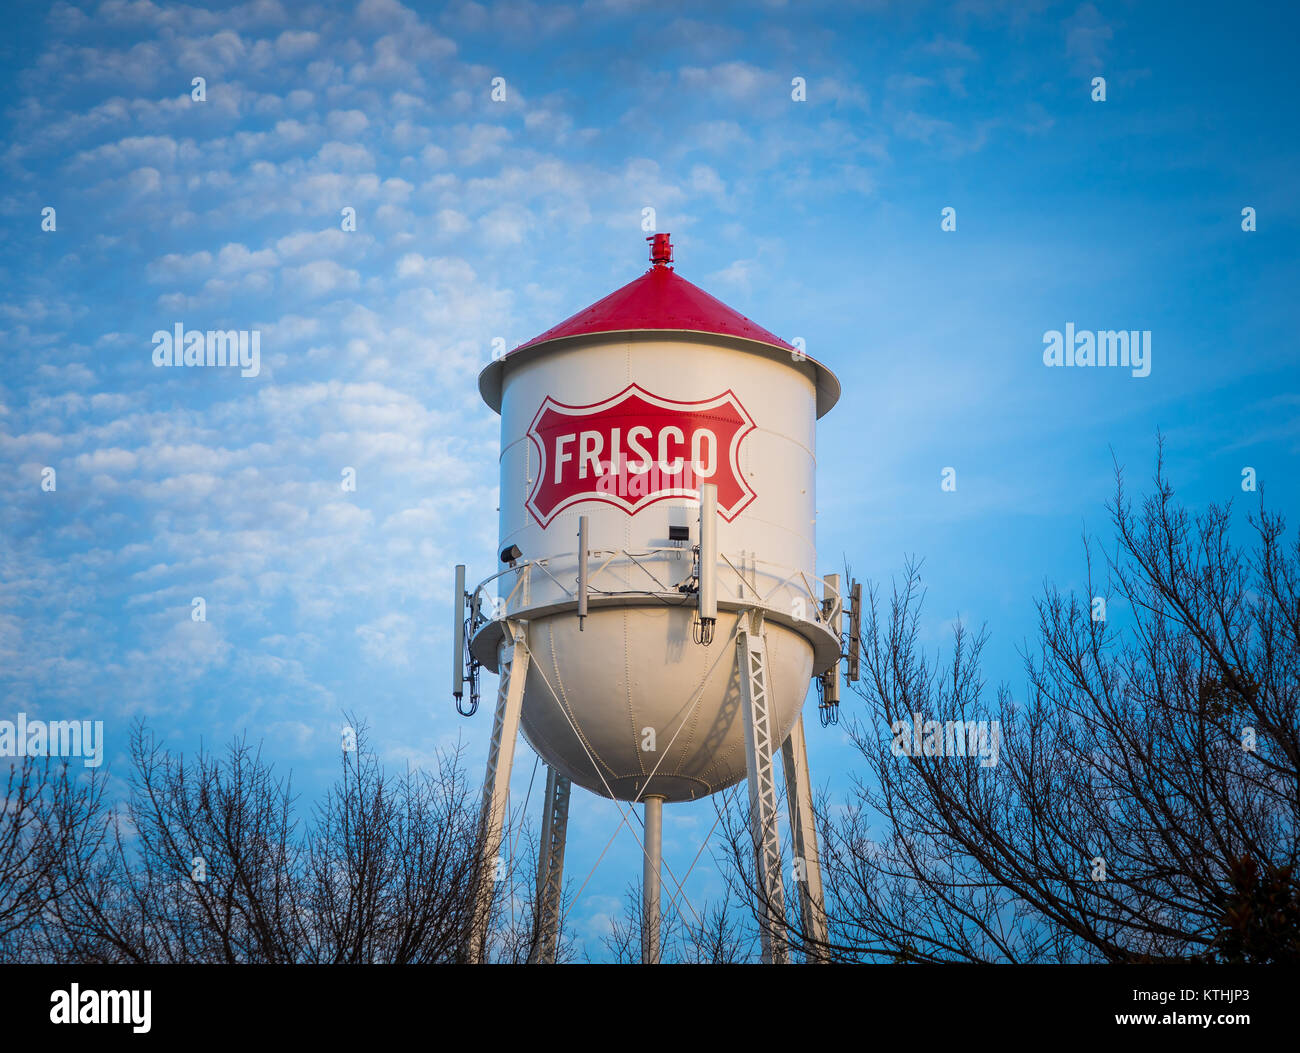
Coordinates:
[550,867]
[654,827]
[803,835]
[751,654]
[496,784]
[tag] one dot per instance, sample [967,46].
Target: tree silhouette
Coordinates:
[206,861]
[1144,805]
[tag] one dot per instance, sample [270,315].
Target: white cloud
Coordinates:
[321,278]
[1087,39]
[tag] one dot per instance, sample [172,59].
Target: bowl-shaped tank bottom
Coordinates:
[633,694]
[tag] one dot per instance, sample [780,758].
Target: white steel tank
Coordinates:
[620,414]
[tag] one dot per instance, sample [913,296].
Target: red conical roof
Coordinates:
[661,300]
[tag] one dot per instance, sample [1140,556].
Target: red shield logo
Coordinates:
[635,449]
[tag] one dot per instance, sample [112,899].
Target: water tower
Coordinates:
[656,616]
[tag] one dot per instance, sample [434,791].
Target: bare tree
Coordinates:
[719,934]
[205,861]
[390,863]
[45,817]
[1139,803]
[22,870]
[627,934]
[198,865]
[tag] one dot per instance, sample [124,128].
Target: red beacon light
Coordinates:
[661,249]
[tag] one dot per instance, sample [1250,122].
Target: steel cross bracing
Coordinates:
[496,783]
[803,837]
[550,866]
[751,657]
[751,650]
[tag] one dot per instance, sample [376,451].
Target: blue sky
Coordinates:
[479,220]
